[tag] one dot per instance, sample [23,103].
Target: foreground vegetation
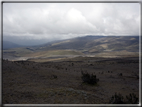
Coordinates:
[119,99]
[82,80]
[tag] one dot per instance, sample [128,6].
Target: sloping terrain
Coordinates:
[52,74]
[26,82]
[88,45]
[98,43]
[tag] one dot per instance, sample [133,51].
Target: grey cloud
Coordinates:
[66,20]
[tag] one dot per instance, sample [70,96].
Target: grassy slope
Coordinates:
[23,52]
[104,46]
[55,52]
[17,52]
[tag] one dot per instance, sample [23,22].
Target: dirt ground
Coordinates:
[59,82]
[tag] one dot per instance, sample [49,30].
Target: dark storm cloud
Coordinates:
[66,20]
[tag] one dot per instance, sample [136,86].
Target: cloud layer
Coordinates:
[66,20]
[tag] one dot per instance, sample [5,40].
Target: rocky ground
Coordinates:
[59,82]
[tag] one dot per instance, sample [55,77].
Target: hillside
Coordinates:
[87,45]
[94,44]
[101,43]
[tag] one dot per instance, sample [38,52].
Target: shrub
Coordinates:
[72,64]
[132,99]
[90,79]
[54,76]
[118,99]
[120,74]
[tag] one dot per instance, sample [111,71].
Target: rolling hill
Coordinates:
[93,44]
[87,45]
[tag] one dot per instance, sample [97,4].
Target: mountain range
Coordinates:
[87,45]
[8,45]
[94,44]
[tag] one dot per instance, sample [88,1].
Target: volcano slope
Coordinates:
[59,82]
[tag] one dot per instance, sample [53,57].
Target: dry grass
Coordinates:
[27,82]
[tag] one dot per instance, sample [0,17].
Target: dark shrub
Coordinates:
[90,79]
[116,99]
[132,99]
[54,76]
[72,64]
[120,74]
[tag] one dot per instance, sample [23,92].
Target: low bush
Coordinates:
[54,76]
[132,99]
[89,79]
[116,99]
[119,99]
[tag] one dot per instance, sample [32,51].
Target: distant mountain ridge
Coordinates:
[95,44]
[8,45]
[110,46]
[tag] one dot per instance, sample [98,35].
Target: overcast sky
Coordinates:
[49,21]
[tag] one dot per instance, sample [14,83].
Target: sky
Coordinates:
[37,23]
